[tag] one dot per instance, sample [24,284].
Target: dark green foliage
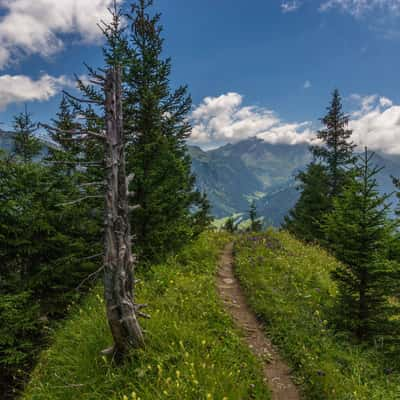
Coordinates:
[358,232]
[67,149]
[156,123]
[44,250]
[20,332]
[326,176]
[336,151]
[305,219]
[27,146]
[255,223]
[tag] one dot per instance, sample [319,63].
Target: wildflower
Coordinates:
[178,374]
[209,396]
[133,395]
[125,397]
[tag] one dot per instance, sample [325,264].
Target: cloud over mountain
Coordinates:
[222,119]
[375,122]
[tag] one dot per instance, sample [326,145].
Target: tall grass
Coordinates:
[193,351]
[289,287]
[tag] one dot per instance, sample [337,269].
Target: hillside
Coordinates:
[289,286]
[234,174]
[192,352]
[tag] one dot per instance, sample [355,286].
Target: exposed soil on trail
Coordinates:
[276,371]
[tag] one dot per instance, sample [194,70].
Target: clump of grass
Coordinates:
[192,352]
[289,287]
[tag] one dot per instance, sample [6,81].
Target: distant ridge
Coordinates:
[235,174]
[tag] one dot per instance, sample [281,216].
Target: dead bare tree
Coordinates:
[119,261]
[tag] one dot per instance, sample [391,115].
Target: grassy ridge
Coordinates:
[193,351]
[289,287]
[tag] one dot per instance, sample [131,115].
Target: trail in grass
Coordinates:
[276,371]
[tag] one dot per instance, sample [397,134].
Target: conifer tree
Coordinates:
[326,176]
[358,231]
[305,219]
[255,223]
[158,128]
[336,151]
[27,146]
[64,123]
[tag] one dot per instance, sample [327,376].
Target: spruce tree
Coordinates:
[359,232]
[27,145]
[325,177]
[305,219]
[158,127]
[336,150]
[66,148]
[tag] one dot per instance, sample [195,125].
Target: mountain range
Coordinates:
[235,174]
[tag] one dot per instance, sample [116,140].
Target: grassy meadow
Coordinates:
[288,285]
[193,351]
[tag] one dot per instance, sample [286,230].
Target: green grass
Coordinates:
[289,287]
[192,352]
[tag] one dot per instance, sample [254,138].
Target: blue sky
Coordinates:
[265,68]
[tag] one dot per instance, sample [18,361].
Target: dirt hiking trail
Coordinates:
[276,371]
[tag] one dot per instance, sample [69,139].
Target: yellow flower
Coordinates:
[209,396]
[125,397]
[133,395]
[178,374]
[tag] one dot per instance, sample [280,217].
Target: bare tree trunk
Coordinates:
[119,261]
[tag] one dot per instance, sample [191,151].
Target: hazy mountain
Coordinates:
[235,174]
[7,143]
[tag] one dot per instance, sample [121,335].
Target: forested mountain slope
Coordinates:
[235,174]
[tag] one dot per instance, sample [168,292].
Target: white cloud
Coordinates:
[358,8]
[21,88]
[37,26]
[223,119]
[307,85]
[290,6]
[377,124]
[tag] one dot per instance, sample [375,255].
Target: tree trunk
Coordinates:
[119,261]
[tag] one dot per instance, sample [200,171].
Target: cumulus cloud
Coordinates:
[223,119]
[37,26]
[21,88]
[290,6]
[307,85]
[376,124]
[358,8]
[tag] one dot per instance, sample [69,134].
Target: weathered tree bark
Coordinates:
[119,261]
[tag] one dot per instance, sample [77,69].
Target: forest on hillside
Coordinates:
[113,279]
